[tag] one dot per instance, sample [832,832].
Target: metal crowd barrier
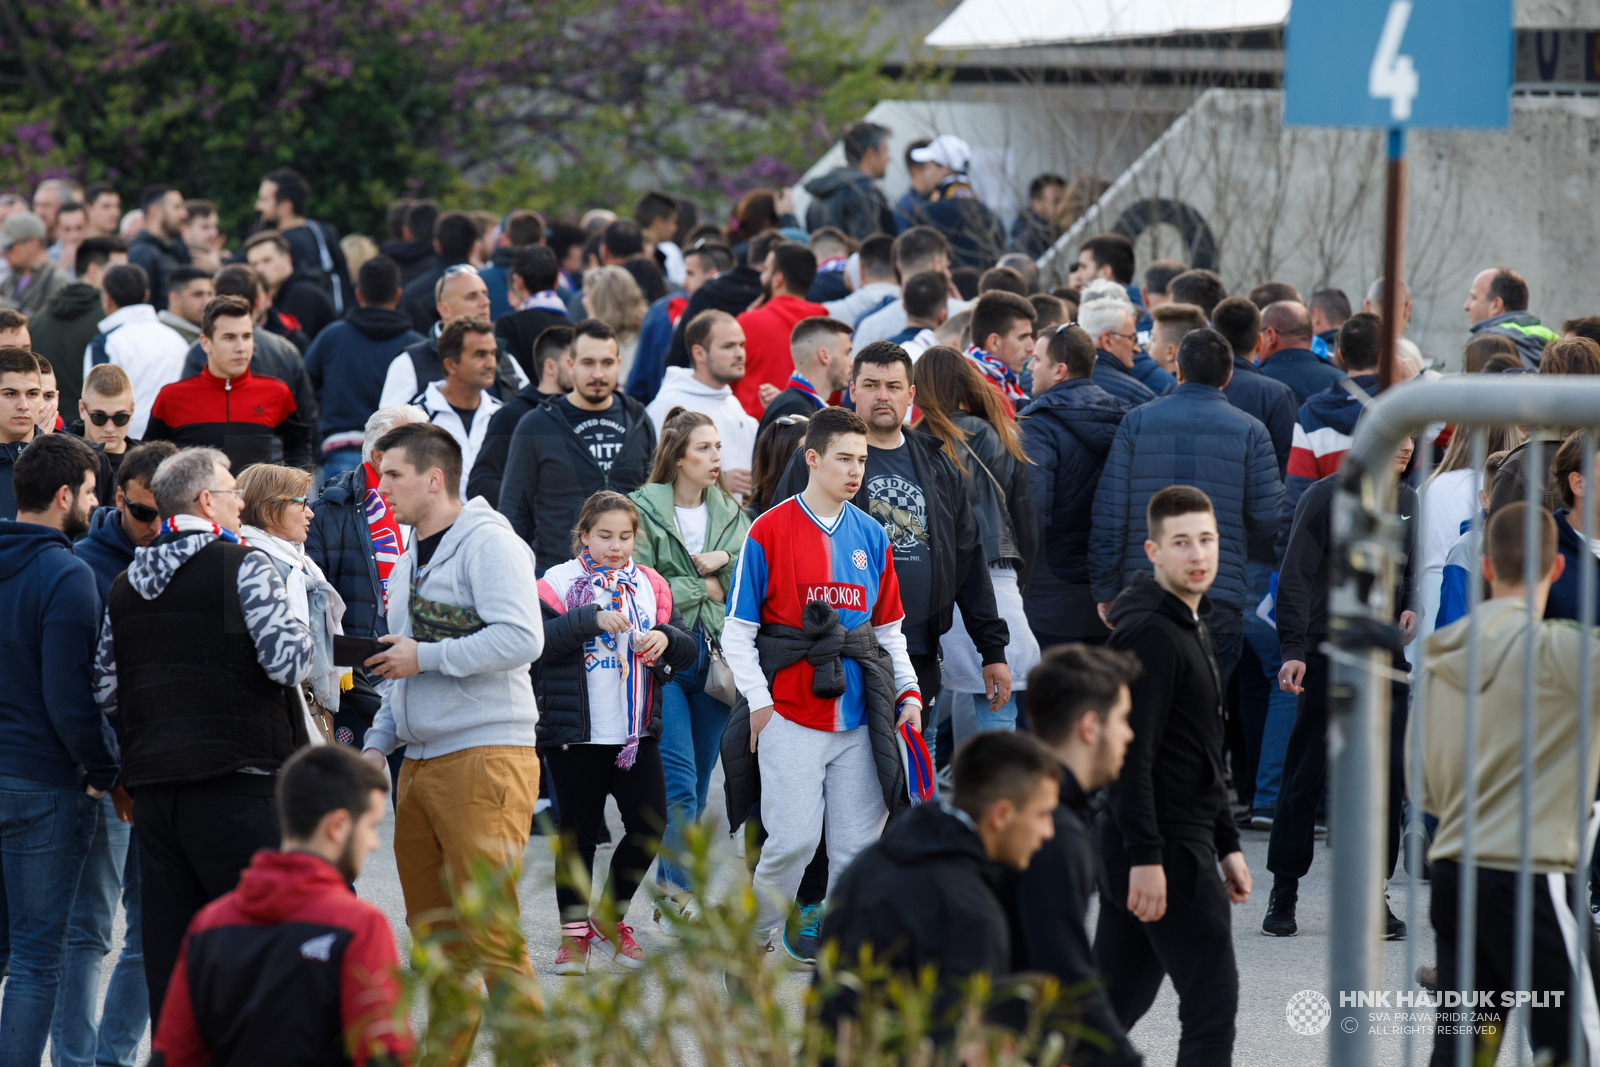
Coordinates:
[1367,555]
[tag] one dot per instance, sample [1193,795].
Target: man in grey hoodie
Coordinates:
[848,197]
[460,697]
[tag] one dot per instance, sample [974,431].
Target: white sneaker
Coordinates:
[667,913]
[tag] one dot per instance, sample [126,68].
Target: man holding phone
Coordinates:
[462,632]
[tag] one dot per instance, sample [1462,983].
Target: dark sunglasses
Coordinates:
[99,418]
[140,512]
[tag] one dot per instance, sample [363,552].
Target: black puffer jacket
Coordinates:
[562,686]
[960,568]
[1001,497]
[923,896]
[823,641]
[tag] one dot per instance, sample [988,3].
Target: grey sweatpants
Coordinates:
[808,775]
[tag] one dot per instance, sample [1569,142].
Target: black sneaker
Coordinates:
[1280,909]
[1394,928]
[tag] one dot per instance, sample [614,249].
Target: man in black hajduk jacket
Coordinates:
[1164,910]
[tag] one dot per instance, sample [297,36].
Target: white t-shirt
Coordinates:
[692,525]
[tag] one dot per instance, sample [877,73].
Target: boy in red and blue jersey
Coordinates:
[814,753]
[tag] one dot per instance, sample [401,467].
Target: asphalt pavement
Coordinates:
[1271,970]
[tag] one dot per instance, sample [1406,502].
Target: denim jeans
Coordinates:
[111,870]
[1278,723]
[338,461]
[970,714]
[45,832]
[691,737]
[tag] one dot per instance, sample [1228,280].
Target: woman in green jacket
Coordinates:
[691,535]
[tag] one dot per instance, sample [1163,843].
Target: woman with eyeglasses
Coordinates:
[276,516]
[965,415]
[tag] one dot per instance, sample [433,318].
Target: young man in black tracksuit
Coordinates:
[1302,614]
[925,894]
[1078,705]
[1164,911]
[569,448]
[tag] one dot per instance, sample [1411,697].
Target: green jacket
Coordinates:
[60,334]
[660,545]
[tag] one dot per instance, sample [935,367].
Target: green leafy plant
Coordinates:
[675,1009]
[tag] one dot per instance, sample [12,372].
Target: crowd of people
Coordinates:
[506,517]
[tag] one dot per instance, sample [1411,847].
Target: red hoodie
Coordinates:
[767,357]
[290,967]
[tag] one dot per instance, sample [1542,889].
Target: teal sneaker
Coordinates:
[800,936]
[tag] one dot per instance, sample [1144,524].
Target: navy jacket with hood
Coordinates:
[1067,433]
[1564,594]
[106,548]
[850,200]
[347,363]
[9,451]
[1193,437]
[51,731]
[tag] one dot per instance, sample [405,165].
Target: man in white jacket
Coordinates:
[464,402]
[460,697]
[716,345]
[135,339]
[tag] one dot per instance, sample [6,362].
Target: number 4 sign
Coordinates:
[1428,63]
[1393,76]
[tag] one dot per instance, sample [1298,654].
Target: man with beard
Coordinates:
[295,933]
[56,761]
[716,344]
[159,248]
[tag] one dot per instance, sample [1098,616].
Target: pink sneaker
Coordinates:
[621,947]
[573,956]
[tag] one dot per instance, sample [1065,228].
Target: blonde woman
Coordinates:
[277,514]
[611,295]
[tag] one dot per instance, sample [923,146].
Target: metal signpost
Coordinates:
[1392,65]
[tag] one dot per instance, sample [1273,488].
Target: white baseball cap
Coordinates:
[947,150]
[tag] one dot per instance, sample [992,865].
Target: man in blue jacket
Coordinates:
[349,359]
[1066,433]
[1285,351]
[1249,390]
[111,867]
[1112,325]
[57,758]
[1193,437]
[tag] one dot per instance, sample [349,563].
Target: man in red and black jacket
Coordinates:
[292,966]
[252,418]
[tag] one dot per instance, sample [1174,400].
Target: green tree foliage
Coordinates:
[558,105]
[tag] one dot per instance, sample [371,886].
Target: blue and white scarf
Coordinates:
[617,589]
[997,372]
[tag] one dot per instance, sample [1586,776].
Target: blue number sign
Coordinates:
[1398,63]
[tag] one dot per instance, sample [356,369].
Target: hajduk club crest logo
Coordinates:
[859,559]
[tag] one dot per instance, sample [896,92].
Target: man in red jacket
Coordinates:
[293,967]
[788,272]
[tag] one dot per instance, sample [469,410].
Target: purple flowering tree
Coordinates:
[558,104]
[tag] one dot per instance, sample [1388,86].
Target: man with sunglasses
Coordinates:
[105,412]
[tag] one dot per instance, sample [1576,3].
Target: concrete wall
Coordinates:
[1305,205]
